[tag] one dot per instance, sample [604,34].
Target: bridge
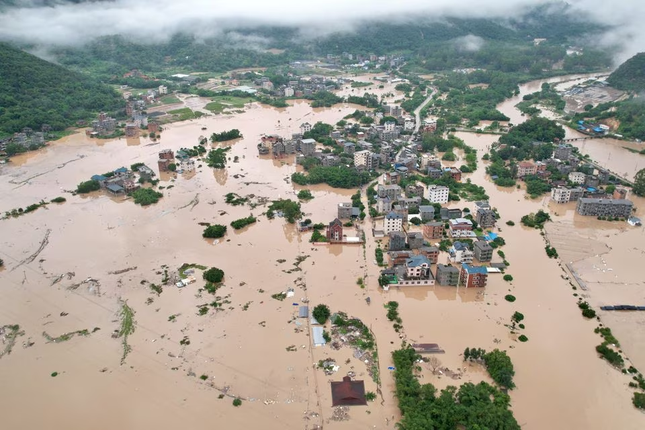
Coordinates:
[575,139]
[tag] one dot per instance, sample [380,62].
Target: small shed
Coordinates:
[317,335]
[348,393]
[115,188]
[303,312]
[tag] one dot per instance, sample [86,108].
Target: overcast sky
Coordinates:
[155,20]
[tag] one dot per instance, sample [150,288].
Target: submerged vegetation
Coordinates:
[126,314]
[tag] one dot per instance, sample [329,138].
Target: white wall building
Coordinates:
[438,193]
[304,128]
[163,89]
[363,159]
[577,177]
[561,195]
[392,222]
[288,92]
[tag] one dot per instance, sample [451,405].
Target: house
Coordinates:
[438,193]
[454,173]
[461,227]
[100,179]
[131,130]
[335,231]
[577,177]
[166,154]
[317,336]
[393,192]
[620,193]
[565,194]
[434,172]
[415,240]
[447,214]
[363,160]
[383,204]
[349,148]
[397,241]
[483,251]
[473,276]
[413,190]
[303,312]
[348,393]
[460,253]
[563,152]
[617,208]
[426,213]
[418,268]
[433,230]
[305,128]
[345,210]
[308,147]
[526,168]
[392,222]
[430,252]
[399,257]
[484,215]
[447,275]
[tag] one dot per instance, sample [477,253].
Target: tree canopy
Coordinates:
[630,76]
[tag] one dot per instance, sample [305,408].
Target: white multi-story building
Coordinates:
[561,194]
[389,126]
[392,222]
[363,159]
[438,193]
[163,89]
[304,128]
[577,177]
[288,92]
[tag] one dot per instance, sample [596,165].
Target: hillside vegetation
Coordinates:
[34,92]
[630,76]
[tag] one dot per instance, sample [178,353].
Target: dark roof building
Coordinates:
[348,393]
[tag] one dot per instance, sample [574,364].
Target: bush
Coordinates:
[214,231]
[588,313]
[508,278]
[172,167]
[243,222]
[639,400]
[610,355]
[59,200]
[88,187]
[214,275]
[203,377]
[517,317]
[370,396]
[510,223]
[146,196]
[305,195]
[237,402]
[509,298]
[321,313]
[500,368]
[523,338]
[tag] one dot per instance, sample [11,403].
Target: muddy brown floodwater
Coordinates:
[252,346]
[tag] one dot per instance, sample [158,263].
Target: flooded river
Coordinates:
[252,347]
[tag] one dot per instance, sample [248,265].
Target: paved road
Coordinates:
[417,111]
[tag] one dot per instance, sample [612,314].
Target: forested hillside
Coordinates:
[34,92]
[630,76]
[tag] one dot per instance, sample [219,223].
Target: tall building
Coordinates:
[562,152]
[392,222]
[363,160]
[438,193]
[447,275]
[473,276]
[620,208]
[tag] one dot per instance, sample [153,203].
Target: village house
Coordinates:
[305,128]
[434,173]
[166,158]
[397,241]
[308,147]
[392,222]
[473,276]
[103,126]
[459,252]
[399,257]
[484,215]
[363,160]
[335,231]
[383,204]
[438,193]
[565,194]
[620,193]
[526,168]
[447,275]
[393,192]
[430,252]
[347,211]
[415,240]
[426,213]
[454,173]
[349,148]
[577,177]
[433,230]
[348,392]
[617,208]
[448,214]
[418,269]
[414,190]
[483,251]
[563,152]
[461,227]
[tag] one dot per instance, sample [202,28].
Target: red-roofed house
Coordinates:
[348,393]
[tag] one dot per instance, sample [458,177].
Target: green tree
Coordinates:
[214,231]
[321,313]
[639,183]
[213,275]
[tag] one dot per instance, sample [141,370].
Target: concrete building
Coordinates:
[431,253]
[364,160]
[433,230]
[349,148]
[308,147]
[438,193]
[620,208]
[335,231]
[426,213]
[473,276]
[415,240]
[397,241]
[447,275]
[393,192]
[305,127]
[484,214]
[577,177]
[565,194]
[483,251]
[345,210]
[418,268]
[526,168]
[461,227]
[563,152]
[392,222]
[289,92]
[620,193]
[447,214]
[460,253]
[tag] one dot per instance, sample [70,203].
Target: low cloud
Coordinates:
[469,43]
[75,22]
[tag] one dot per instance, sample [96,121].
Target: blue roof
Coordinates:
[598,130]
[121,170]
[393,215]
[98,178]
[581,122]
[490,236]
[474,269]
[460,246]
[417,261]
[115,188]
[591,189]
[317,335]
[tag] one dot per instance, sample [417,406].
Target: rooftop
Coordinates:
[474,269]
[348,393]
[615,202]
[393,215]
[417,260]
[483,245]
